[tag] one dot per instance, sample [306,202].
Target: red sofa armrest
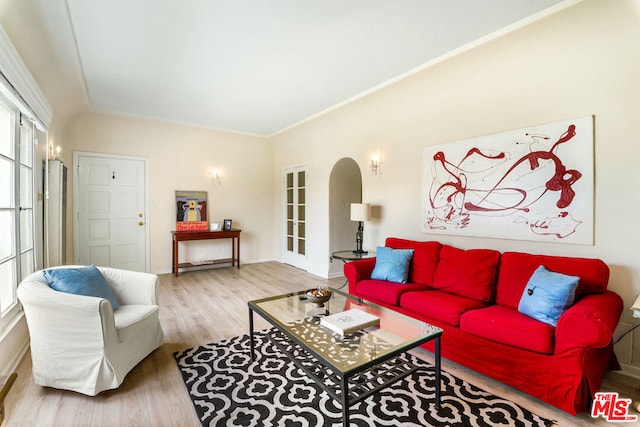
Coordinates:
[356,271]
[589,323]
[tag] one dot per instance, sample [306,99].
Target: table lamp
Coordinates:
[360,213]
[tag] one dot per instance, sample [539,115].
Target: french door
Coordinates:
[111,211]
[295,245]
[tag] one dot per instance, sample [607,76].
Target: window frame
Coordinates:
[9,312]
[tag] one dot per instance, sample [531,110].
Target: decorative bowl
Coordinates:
[318,296]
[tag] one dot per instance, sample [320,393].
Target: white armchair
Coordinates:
[79,343]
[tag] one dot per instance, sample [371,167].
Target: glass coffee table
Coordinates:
[349,367]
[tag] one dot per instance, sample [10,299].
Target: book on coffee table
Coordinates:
[350,321]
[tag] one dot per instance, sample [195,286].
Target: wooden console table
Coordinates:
[183,236]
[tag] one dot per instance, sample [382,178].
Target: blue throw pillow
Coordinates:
[548,295]
[392,264]
[86,281]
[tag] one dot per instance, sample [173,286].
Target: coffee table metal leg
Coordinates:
[345,401]
[251,345]
[437,362]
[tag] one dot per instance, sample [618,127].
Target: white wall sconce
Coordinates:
[217,176]
[375,166]
[55,154]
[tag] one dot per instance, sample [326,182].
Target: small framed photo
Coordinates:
[226,225]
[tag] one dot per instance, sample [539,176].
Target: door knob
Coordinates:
[141,223]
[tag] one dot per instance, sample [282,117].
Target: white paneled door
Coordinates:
[295,245]
[110,211]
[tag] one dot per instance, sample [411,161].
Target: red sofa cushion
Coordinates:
[383,291]
[439,305]
[516,269]
[508,326]
[469,273]
[425,258]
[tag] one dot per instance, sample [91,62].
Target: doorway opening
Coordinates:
[345,187]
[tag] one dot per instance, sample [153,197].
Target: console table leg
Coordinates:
[233,252]
[174,256]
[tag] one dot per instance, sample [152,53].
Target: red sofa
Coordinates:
[474,294]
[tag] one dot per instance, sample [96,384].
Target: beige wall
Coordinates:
[582,61]
[180,158]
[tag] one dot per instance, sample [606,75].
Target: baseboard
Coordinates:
[14,345]
[630,371]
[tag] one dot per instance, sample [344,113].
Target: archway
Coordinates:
[345,187]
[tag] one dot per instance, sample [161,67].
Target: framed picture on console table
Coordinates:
[191,211]
[226,225]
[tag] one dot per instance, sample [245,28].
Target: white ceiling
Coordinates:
[261,66]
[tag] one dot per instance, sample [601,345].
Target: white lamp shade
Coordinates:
[359,211]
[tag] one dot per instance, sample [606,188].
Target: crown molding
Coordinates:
[22,87]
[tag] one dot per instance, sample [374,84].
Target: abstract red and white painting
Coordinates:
[533,184]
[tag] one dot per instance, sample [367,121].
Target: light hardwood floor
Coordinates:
[197,308]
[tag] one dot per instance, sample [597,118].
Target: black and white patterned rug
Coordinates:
[227,389]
